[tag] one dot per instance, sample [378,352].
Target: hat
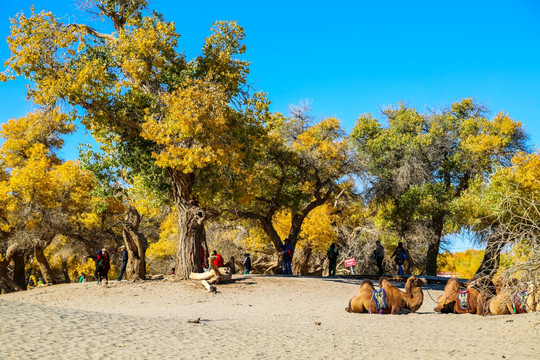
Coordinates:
[123,247]
[103,249]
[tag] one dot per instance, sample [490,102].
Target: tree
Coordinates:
[506,212]
[42,196]
[300,167]
[421,164]
[173,123]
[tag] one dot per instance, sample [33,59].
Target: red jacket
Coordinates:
[218,261]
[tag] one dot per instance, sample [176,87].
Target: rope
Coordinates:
[436,302]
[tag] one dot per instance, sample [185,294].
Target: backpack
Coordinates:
[31,282]
[400,257]
[331,254]
[289,253]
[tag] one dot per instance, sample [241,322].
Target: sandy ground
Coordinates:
[254,317]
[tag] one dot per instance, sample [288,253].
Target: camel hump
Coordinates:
[366,281]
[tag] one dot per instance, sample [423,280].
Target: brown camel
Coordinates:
[361,303]
[510,300]
[396,301]
[472,300]
[447,301]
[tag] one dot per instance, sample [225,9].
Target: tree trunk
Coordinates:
[492,256]
[18,269]
[43,265]
[7,285]
[191,236]
[65,270]
[135,245]
[433,247]
[191,232]
[303,265]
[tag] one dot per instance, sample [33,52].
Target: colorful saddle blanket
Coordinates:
[379,298]
[463,300]
[520,302]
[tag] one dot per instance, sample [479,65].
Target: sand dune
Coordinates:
[254,317]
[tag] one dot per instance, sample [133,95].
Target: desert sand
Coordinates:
[254,317]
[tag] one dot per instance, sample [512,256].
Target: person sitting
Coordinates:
[218,259]
[32,282]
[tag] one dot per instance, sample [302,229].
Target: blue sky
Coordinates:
[354,57]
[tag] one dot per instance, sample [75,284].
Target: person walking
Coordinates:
[286,256]
[379,256]
[247,264]
[124,262]
[399,256]
[332,255]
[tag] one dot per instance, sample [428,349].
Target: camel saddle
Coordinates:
[463,300]
[519,301]
[379,298]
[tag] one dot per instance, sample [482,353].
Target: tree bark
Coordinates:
[65,270]
[135,245]
[433,247]
[303,265]
[18,269]
[7,285]
[492,257]
[43,265]
[191,219]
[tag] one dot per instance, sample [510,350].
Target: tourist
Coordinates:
[203,259]
[247,264]
[399,256]
[379,256]
[286,256]
[106,266]
[332,255]
[32,282]
[99,265]
[217,259]
[124,262]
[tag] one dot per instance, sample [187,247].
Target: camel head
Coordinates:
[414,282]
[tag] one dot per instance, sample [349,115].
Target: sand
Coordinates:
[255,317]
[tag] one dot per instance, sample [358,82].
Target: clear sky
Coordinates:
[354,57]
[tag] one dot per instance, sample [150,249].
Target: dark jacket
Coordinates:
[247,263]
[286,251]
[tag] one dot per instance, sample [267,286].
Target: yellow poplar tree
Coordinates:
[41,196]
[179,125]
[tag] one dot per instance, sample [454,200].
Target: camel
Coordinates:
[361,303]
[510,301]
[472,300]
[397,301]
[447,301]
[533,303]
